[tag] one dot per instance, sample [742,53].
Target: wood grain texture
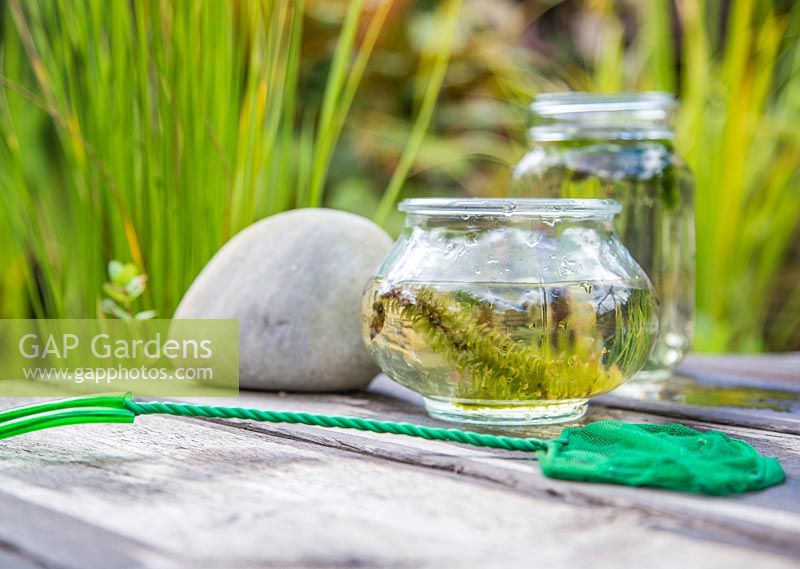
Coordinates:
[710,399]
[177,492]
[775,368]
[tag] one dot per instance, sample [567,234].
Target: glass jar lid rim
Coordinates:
[527,207]
[552,104]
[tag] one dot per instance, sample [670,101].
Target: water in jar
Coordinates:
[509,343]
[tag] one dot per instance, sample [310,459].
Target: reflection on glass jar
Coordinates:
[509,311]
[620,147]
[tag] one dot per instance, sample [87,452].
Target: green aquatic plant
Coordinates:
[629,344]
[561,359]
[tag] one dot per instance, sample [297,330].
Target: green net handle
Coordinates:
[123,409]
[64,412]
[111,401]
[64,418]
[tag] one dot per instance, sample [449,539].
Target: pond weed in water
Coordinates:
[507,344]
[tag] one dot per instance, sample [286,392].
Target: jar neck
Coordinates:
[439,228]
[466,213]
[586,116]
[572,133]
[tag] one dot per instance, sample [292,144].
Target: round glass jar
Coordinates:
[620,147]
[509,312]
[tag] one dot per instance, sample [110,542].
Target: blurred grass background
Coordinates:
[153,131]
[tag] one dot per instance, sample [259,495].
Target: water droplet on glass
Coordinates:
[533,239]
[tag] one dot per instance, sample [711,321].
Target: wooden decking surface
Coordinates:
[177,492]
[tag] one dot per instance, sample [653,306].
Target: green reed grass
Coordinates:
[737,128]
[153,131]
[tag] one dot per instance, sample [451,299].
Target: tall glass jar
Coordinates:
[620,146]
[509,312]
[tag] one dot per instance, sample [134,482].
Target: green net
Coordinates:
[672,457]
[663,456]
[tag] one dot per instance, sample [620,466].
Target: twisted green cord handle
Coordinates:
[409,429]
[123,409]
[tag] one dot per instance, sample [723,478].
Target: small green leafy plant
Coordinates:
[126,284]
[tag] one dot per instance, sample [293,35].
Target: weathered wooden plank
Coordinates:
[11,560]
[33,535]
[203,493]
[174,491]
[750,524]
[452,457]
[772,368]
[742,402]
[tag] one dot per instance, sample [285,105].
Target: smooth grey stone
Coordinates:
[294,281]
